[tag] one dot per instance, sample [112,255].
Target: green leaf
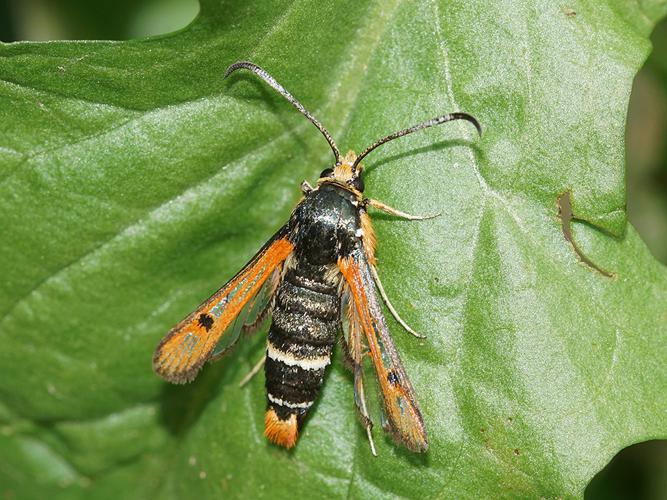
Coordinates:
[134,181]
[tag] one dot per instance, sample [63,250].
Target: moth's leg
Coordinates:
[390,307]
[356,356]
[360,401]
[253,372]
[398,213]
[306,187]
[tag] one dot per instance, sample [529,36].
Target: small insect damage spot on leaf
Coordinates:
[566,216]
[517,451]
[569,12]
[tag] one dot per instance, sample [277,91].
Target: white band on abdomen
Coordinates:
[280,402]
[316,363]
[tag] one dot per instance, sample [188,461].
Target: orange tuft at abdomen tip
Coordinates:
[281,432]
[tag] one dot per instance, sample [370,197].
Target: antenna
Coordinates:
[281,90]
[429,123]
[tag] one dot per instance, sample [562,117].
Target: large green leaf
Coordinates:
[134,181]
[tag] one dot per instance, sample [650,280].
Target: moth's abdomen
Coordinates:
[305,323]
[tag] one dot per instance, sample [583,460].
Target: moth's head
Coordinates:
[345,173]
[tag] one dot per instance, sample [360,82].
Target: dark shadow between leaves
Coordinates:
[635,472]
[101,20]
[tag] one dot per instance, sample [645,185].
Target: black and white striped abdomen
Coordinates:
[306,318]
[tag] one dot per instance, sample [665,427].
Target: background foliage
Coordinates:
[134,181]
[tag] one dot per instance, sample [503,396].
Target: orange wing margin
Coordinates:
[404,419]
[182,352]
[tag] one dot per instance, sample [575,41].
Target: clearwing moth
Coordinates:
[316,277]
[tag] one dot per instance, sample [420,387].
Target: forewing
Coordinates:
[183,351]
[251,317]
[403,416]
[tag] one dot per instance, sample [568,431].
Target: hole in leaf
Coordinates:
[637,472]
[41,20]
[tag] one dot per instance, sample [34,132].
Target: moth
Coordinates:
[317,278]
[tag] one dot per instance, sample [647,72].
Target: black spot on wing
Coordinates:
[206,321]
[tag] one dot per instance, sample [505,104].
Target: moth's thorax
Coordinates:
[328,224]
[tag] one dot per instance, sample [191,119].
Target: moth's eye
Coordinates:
[358,184]
[327,172]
